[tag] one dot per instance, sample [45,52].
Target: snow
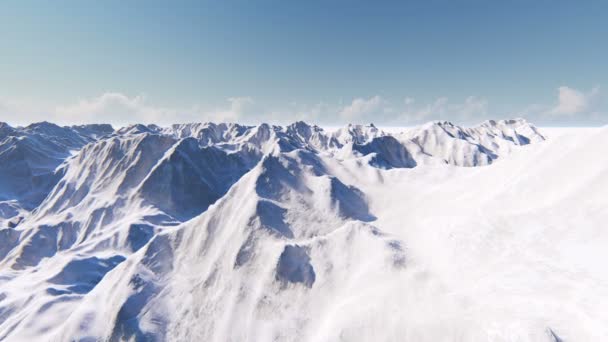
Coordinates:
[226,232]
[30,160]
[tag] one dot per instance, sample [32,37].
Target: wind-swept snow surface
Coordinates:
[226,232]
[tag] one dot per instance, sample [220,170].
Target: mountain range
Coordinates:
[229,232]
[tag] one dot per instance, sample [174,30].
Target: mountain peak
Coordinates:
[43,126]
[139,129]
[5,129]
[506,122]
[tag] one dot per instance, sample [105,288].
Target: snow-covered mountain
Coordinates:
[30,158]
[228,232]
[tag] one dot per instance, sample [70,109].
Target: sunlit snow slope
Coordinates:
[226,232]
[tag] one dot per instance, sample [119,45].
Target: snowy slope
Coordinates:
[225,232]
[29,158]
[471,146]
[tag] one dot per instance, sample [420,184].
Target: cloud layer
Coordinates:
[121,109]
[572,101]
[361,108]
[571,106]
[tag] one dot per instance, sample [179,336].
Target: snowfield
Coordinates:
[227,232]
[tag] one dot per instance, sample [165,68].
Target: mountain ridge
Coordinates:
[159,218]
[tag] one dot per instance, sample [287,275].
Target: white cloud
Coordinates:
[21,111]
[296,111]
[471,108]
[572,106]
[442,109]
[572,101]
[361,108]
[410,111]
[122,109]
[409,101]
[237,109]
[112,107]
[425,112]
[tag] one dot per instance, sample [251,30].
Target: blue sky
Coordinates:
[393,63]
